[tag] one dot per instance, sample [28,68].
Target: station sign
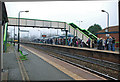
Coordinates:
[43,35]
[24,30]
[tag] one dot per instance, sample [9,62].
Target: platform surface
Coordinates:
[36,68]
[42,67]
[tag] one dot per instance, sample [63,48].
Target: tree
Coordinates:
[94,28]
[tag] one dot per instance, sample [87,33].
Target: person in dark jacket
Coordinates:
[113,44]
[101,44]
[109,43]
[81,43]
[98,39]
[88,42]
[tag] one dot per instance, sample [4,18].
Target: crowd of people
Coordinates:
[76,42]
[71,41]
[100,43]
[104,44]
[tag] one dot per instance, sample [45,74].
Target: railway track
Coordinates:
[103,68]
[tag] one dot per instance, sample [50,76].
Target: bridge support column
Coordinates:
[66,36]
[14,35]
[1,40]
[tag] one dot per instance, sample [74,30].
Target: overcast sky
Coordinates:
[68,11]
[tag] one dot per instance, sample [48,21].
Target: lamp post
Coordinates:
[19,28]
[79,22]
[107,20]
[66,31]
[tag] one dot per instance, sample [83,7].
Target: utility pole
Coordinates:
[66,36]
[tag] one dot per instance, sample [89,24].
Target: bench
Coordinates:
[24,53]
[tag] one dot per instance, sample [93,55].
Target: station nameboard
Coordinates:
[43,35]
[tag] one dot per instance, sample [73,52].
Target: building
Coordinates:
[113,31]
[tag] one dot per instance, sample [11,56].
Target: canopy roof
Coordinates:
[4,14]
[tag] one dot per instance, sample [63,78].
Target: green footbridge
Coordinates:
[38,23]
[85,32]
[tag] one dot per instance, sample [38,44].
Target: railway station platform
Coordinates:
[41,67]
[35,68]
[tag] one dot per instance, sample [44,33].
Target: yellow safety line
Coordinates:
[22,68]
[23,78]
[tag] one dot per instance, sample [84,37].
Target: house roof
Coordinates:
[111,29]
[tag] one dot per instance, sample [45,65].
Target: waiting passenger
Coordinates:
[81,43]
[70,41]
[104,43]
[98,39]
[110,43]
[113,44]
[76,43]
[88,42]
[101,44]
[107,41]
[51,41]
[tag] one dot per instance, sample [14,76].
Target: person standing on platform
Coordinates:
[100,44]
[62,41]
[81,43]
[76,43]
[113,44]
[98,39]
[89,42]
[104,44]
[70,41]
[73,41]
[109,43]
[51,41]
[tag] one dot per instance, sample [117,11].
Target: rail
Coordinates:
[103,67]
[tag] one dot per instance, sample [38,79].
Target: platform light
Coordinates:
[19,28]
[107,21]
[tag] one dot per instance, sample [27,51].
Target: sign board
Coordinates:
[24,30]
[43,35]
[106,30]
[107,35]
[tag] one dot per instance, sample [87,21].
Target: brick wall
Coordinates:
[111,29]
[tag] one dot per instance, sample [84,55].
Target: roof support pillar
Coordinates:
[1,41]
